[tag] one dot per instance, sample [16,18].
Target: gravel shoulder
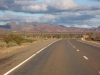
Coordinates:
[94,43]
[16,55]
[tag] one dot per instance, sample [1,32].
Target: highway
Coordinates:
[64,57]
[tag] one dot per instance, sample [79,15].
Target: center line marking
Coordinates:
[78,50]
[70,43]
[73,46]
[85,57]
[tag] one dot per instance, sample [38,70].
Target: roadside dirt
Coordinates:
[90,42]
[16,55]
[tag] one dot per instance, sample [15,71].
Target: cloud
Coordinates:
[18,18]
[92,12]
[83,26]
[95,7]
[48,16]
[73,19]
[86,19]
[25,2]
[35,8]
[9,17]
[65,12]
[69,17]
[48,6]
[61,4]
[3,7]
[6,1]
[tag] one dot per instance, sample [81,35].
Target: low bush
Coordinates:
[12,43]
[28,40]
[14,39]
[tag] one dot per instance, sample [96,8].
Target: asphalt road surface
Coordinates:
[64,57]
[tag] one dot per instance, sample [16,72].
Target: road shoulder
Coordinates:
[93,43]
[9,60]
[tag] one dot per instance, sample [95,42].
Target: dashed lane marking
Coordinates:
[78,50]
[70,43]
[85,57]
[73,46]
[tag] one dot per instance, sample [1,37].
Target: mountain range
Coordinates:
[43,27]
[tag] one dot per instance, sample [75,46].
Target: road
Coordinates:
[64,57]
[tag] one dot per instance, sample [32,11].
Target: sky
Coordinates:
[76,13]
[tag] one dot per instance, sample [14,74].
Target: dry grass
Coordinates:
[11,49]
[2,45]
[4,49]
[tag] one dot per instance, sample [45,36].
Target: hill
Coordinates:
[43,27]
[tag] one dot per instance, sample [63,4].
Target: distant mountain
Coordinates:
[5,26]
[99,27]
[43,27]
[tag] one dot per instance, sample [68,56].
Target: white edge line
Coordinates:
[99,72]
[28,59]
[85,57]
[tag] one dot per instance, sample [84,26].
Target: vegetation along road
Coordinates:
[63,57]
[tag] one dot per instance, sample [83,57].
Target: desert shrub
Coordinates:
[1,45]
[88,39]
[28,40]
[13,39]
[96,37]
[90,36]
[12,43]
